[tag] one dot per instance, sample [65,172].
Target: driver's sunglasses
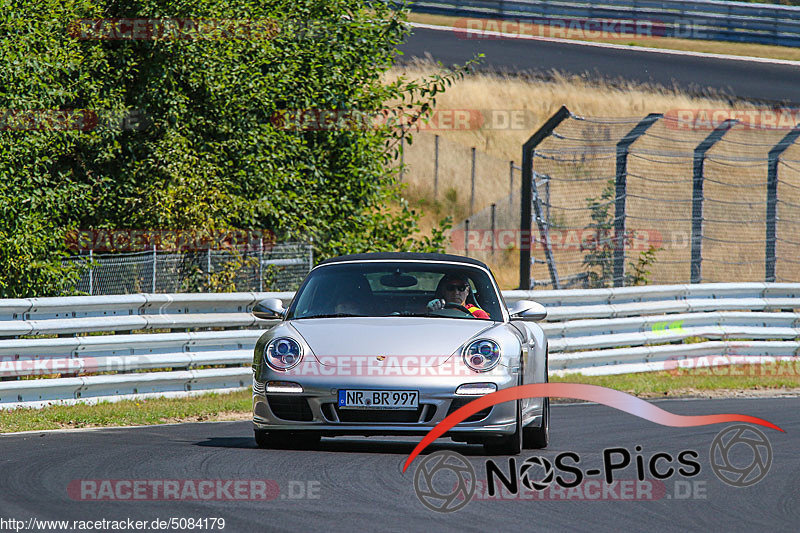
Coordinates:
[456,287]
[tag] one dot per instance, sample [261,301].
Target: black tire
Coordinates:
[285,439]
[510,445]
[537,437]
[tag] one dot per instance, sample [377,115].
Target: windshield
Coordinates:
[376,289]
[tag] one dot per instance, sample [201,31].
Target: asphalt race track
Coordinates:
[748,80]
[357,484]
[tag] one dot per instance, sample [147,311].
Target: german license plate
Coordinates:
[378,399]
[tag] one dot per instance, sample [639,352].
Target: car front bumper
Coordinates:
[316,410]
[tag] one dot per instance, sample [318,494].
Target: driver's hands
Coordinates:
[436,304]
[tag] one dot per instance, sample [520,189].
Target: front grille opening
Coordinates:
[293,408]
[329,413]
[458,403]
[379,416]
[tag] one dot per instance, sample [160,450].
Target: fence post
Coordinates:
[91,272]
[772,201]
[510,183]
[621,184]
[435,167]
[472,186]
[526,203]
[547,200]
[466,237]
[260,264]
[697,195]
[208,268]
[493,209]
[402,155]
[154,268]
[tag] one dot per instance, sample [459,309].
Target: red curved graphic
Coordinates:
[592,393]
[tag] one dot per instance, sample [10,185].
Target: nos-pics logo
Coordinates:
[445,481]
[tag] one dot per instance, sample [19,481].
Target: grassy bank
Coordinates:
[231,406]
[718,382]
[721,381]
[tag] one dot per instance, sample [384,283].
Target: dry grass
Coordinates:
[692,45]
[535,100]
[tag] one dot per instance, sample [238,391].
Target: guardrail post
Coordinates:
[697,195]
[526,203]
[623,146]
[772,200]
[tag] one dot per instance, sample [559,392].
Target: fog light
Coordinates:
[474,389]
[284,387]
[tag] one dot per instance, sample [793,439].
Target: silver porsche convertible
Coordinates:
[360,351]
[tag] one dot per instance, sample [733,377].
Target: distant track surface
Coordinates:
[765,82]
[361,487]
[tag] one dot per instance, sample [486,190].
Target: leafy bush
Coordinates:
[599,257]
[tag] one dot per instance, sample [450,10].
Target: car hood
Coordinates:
[428,341]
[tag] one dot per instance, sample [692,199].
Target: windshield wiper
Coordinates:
[330,315]
[410,314]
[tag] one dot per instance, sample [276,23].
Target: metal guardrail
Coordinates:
[193,343]
[691,19]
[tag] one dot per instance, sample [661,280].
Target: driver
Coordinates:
[455,289]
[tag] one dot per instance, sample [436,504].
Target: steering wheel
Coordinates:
[450,305]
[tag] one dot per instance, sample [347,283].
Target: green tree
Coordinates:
[207,152]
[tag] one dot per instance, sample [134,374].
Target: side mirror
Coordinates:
[527,310]
[269,309]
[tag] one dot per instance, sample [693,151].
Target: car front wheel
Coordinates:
[538,437]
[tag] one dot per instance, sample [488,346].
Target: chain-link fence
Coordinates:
[656,199]
[668,200]
[454,178]
[280,267]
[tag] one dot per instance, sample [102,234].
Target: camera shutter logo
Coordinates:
[456,468]
[547,479]
[729,453]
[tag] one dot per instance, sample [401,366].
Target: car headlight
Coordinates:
[283,353]
[482,355]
